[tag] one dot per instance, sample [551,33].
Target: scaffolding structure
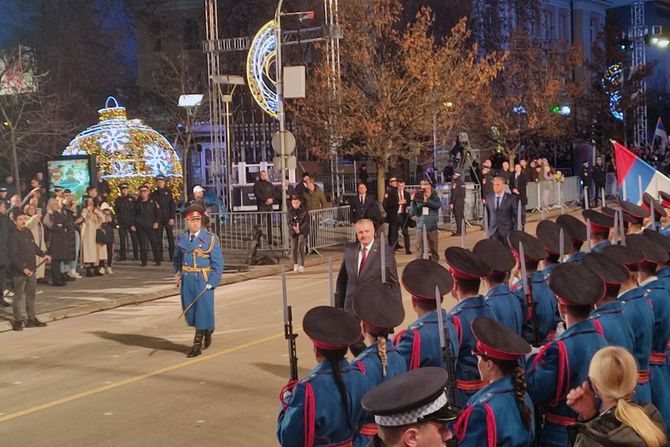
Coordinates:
[639,59]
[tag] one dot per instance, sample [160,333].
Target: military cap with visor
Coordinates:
[493,253]
[600,223]
[653,253]
[464,264]
[647,202]
[574,228]
[533,249]
[549,233]
[575,285]
[194,212]
[378,310]
[330,328]
[421,276]
[496,341]
[609,270]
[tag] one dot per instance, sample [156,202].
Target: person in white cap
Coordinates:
[199,199]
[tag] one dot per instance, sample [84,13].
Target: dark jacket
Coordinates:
[146,213]
[299,216]
[166,204]
[457,197]
[369,209]
[264,190]
[22,250]
[503,219]
[606,430]
[391,204]
[125,210]
[4,229]
[520,183]
[585,177]
[62,244]
[432,204]
[108,230]
[599,175]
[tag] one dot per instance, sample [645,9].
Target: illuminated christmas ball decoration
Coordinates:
[261,74]
[127,151]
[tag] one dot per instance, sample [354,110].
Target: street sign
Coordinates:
[291,162]
[289,142]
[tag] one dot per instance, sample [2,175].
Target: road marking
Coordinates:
[130,380]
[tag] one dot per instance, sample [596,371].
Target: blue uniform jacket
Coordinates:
[576,257]
[505,307]
[665,231]
[558,367]
[462,314]
[659,375]
[312,413]
[664,274]
[547,308]
[419,345]
[611,323]
[600,246]
[369,364]
[200,262]
[492,418]
[637,310]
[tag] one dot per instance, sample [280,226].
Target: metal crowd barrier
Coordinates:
[329,227]
[546,194]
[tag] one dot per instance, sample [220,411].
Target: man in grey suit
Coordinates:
[362,264]
[501,209]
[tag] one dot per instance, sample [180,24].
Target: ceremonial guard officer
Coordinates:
[608,313]
[663,272]
[575,229]
[562,364]
[612,212]
[637,215]
[467,269]
[380,361]
[500,414]
[420,343]
[549,234]
[325,407]
[457,202]
[500,300]
[657,294]
[168,209]
[600,229]
[637,310]
[540,308]
[665,219]
[125,218]
[648,202]
[198,264]
[412,409]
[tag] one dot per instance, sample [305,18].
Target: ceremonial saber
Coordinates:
[383,251]
[561,246]
[193,302]
[425,242]
[652,212]
[330,281]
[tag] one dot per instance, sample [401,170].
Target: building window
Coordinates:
[548,23]
[563,27]
[593,29]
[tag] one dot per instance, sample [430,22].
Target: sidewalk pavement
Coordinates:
[132,284]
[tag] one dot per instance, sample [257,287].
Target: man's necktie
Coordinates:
[364,257]
[192,238]
[497,202]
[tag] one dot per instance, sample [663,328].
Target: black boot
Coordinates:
[17,325]
[197,344]
[89,272]
[34,322]
[208,338]
[96,271]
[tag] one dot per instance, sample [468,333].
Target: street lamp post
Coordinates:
[281,115]
[190,103]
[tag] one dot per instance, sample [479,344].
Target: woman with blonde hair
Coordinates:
[618,422]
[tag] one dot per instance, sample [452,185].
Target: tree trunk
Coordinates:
[15,163]
[381,179]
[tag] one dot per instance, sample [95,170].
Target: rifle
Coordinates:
[528,291]
[288,331]
[445,344]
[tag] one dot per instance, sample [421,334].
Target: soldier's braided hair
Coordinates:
[512,368]
[334,358]
[381,352]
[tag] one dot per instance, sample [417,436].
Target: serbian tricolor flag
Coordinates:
[635,176]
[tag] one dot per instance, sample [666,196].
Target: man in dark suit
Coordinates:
[362,264]
[457,202]
[518,184]
[397,215]
[365,207]
[501,208]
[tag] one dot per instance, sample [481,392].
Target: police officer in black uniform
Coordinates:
[147,216]
[599,175]
[125,218]
[168,209]
[586,181]
[457,202]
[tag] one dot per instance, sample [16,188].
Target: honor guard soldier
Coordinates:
[198,264]
[125,218]
[665,219]
[657,294]
[608,313]
[663,272]
[168,210]
[500,414]
[549,234]
[500,300]
[412,409]
[420,343]
[637,215]
[563,364]
[467,269]
[380,361]
[648,202]
[612,212]
[600,229]
[325,407]
[540,309]
[574,229]
[637,310]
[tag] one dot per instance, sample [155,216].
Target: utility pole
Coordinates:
[281,115]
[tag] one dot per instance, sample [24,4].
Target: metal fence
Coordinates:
[329,227]
[546,194]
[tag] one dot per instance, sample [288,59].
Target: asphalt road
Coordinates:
[121,378]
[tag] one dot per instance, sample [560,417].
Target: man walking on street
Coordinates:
[22,253]
[147,216]
[265,194]
[457,202]
[168,210]
[502,211]
[125,218]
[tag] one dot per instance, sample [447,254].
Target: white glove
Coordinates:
[209,287]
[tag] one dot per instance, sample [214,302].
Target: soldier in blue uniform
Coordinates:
[575,229]
[636,215]
[608,313]
[503,303]
[637,310]
[467,269]
[198,265]
[562,364]
[501,414]
[549,233]
[380,361]
[420,343]
[324,409]
[663,272]
[664,221]
[600,229]
[546,308]
[412,409]
[659,212]
[656,292]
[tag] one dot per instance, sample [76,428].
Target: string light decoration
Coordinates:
[260,68]
[128,151]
